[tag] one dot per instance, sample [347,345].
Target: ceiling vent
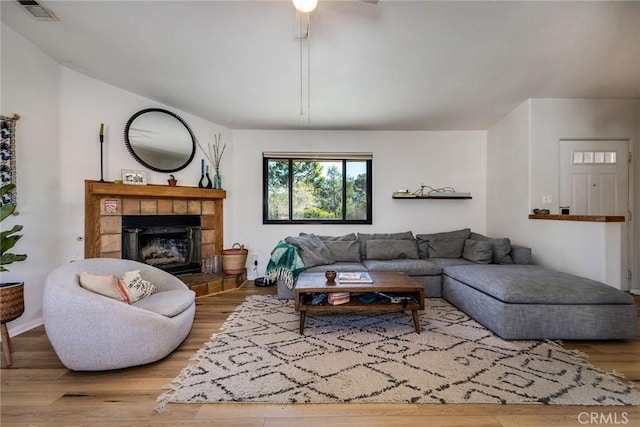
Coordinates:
[37,11]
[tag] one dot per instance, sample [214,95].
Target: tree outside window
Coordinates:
[317,191]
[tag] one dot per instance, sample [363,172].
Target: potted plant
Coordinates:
[172,181]
[9,237]
[11,293]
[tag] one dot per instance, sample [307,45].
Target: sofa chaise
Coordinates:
[490,279]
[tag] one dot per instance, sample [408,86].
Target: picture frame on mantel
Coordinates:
[134,177]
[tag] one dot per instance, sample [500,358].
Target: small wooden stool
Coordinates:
[11,307]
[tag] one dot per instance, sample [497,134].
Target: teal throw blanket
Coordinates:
[285,264]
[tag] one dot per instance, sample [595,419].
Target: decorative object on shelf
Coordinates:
[541,211]
[205,181]
[217,181]
[160,140]
[8,173]
[564,210]
[431,193]
[403,193]
[212,264]
[172,181]
[234,259]
[214,155]
[331,277]
[101,138]
[134,177]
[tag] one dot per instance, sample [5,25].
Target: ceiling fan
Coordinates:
[306,6]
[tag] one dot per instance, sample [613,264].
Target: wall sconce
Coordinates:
[305,6]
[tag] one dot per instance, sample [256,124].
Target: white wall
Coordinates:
[508,173]
[85,103]
[635,260]
[30,88]
[58,149]
[523,165]
[555,119]
[400,160]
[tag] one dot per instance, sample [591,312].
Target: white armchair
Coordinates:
[91,332]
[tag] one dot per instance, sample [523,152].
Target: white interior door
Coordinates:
[594,180]
[594,177]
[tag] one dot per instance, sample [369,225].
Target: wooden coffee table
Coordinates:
[309,284]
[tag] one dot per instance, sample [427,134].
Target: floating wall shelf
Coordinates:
[413,197]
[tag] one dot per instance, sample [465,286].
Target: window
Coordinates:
[327,188]
[594,157]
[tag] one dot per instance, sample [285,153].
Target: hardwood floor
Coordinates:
[38,391]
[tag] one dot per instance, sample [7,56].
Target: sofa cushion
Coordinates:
[501,248]
[412,267]
[477,251]
[445,248]
[313,251]
[392,249]
[344,250]
[532,284]
[520,254]
[108,285]
[138,287]
[349,237]
[423,240]
[364,237]
[168,303]
[445,262]
[339,267]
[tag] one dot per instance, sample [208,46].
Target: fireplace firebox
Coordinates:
[170,242]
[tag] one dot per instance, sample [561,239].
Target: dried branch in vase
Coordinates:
[217,152]
[214,152]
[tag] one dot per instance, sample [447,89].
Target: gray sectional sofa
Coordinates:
[488,278]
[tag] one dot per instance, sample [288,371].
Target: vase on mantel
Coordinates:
[217,180]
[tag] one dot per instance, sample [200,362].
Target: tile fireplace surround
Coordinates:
[106,203]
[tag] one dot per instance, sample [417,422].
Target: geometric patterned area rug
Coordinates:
[377,357]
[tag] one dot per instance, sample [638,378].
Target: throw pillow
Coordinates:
[137,286]
[445,248]
[391,249]
[350,236]
[477,251]
[344,251]
[423,239]
[313,251]
[363,237]
[108,285]
[501,248]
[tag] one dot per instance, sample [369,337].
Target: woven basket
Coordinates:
[11,301]
[234,259]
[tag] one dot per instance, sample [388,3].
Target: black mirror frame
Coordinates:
[142,162]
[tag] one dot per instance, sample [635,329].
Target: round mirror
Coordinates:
[160,140]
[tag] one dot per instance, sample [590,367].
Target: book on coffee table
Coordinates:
[359,277]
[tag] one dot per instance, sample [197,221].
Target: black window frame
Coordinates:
[265,191]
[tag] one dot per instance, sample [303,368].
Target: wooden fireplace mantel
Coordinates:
[106,203]
[97,188]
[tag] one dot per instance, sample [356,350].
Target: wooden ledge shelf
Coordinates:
[431,197]
[110,189]
[584,218]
